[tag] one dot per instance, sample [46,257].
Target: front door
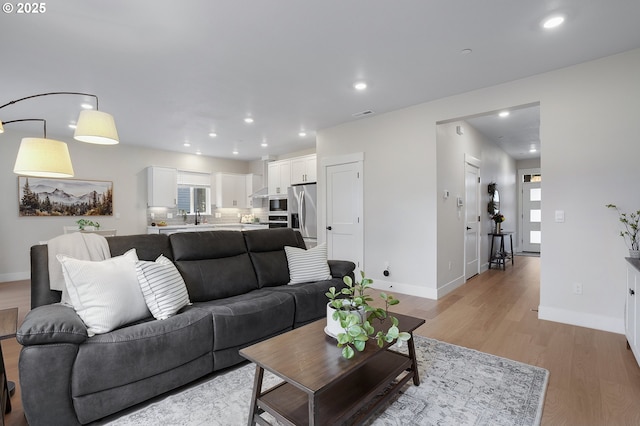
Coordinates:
[344,212]
[472,224]
[531,210]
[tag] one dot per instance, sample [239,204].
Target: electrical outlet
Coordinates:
[577,288]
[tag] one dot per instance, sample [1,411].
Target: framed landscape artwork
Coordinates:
[64,197]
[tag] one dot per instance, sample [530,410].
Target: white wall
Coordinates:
[495,166]
[589,136]
[122,164]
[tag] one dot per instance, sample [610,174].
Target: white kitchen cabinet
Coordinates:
[631,317]
[231,190]
[303,169]
[162,186]
[279,176]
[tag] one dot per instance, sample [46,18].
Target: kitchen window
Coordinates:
[194,192]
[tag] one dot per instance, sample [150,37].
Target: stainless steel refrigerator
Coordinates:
[303,208]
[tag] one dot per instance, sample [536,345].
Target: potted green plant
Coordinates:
[351,310]
[630,232]
[82,223]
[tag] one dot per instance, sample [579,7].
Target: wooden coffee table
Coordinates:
[322,388]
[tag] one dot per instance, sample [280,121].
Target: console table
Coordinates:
[8,326]
[500,256]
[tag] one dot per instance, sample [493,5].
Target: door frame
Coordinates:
[477,163]
[325,162]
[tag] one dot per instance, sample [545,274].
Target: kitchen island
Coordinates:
[172,229]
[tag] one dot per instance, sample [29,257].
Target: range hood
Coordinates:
[260,193]
[264,191]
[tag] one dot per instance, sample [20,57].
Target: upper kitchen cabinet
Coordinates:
[303,169]
[162,186]
[279,177]
[231,190]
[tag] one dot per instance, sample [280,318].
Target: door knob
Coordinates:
[328,228]
[468,228]
[631,292]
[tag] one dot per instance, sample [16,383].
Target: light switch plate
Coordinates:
[559,216]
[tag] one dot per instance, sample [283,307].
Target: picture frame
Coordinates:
[64,197]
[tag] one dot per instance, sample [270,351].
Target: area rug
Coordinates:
[459,386]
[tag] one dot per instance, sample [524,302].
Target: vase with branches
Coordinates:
[630,229]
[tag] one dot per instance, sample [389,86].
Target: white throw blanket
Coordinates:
[78,245]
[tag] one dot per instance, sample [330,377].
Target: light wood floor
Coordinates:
[594,379]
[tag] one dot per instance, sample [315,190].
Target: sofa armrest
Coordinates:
[52,324]
[341,268]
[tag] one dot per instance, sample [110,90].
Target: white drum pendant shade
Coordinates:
[96,127]
[43,158]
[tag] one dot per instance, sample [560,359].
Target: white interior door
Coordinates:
[472,223]
[531,211]
[344,221]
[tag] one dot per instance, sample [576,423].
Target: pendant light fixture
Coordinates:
[42,157]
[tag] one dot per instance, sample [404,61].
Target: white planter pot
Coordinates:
[333,327]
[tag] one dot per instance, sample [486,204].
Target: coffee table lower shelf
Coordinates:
[353,398]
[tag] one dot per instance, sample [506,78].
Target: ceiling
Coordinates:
[173,72]
[517,133]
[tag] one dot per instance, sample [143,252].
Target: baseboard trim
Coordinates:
[581,319]
[14,276]
[408,289]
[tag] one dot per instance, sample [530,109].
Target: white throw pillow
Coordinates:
[163,288]
[308,265]
[105,294]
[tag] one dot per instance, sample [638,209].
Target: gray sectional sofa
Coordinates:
[237,283]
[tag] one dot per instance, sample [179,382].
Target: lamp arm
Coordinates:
[30,119]
[51,93]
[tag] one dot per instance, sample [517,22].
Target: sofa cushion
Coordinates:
[141,350]
[162,286]
[249,317]
[310,299]
[266,248]
[148,246]
[307,265]
[105,294]
[214,264]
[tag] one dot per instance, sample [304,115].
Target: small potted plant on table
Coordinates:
[349,317]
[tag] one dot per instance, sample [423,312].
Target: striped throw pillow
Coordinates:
[307,265]
[162,286]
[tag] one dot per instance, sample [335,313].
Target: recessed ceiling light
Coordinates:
[264,144]
[72,125]
[360,85]
[302,134]
[198,153]
[504,114]
[248,120]
[235,152]
[187,144]
[533,150]
[87,106]
[466,51]
[552,22]
[213,134]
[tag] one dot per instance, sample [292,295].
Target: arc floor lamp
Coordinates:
[43,157]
